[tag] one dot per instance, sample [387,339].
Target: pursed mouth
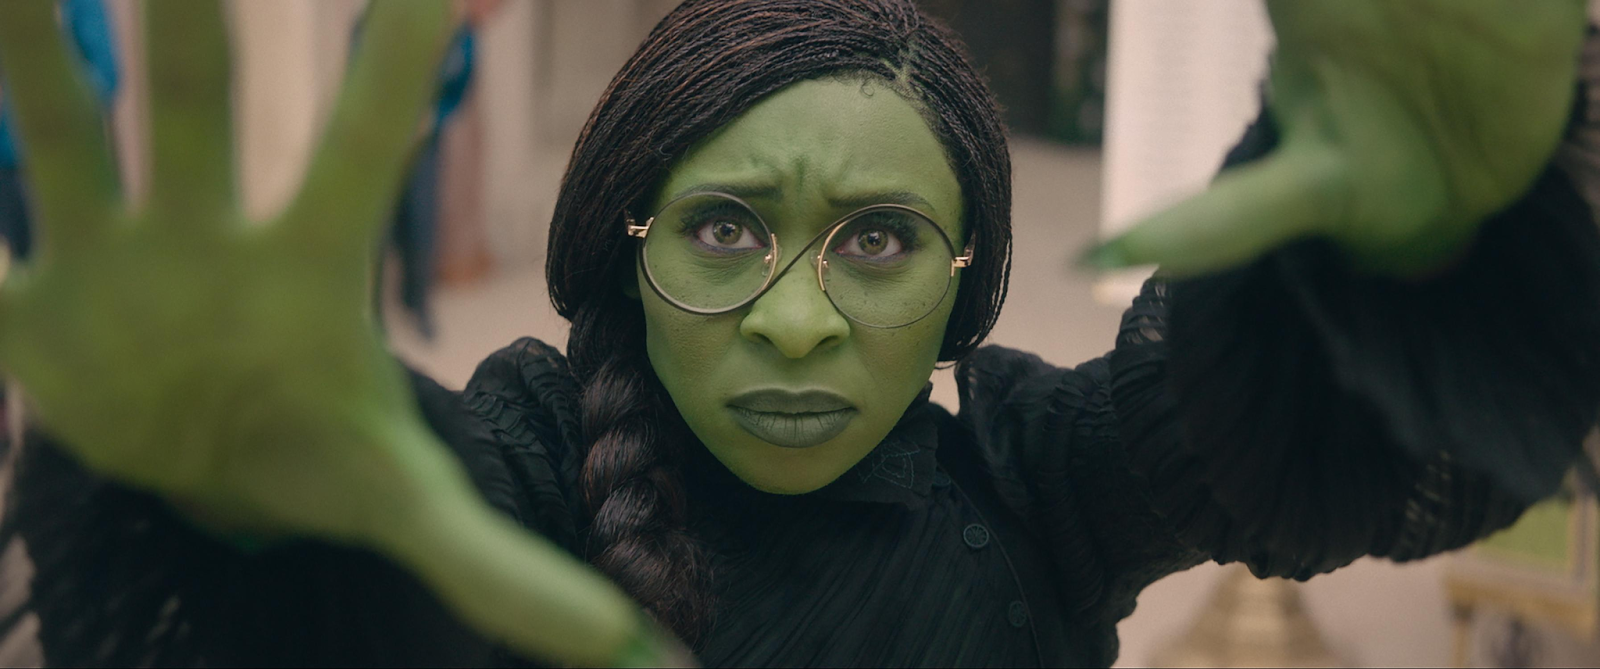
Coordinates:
[780,400]
[791,429]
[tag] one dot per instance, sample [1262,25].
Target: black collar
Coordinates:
[900,470]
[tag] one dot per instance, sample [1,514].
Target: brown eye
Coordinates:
[726,233]
[872,242]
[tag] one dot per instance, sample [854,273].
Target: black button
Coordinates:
[976,536]
[941,479]
[1017,615]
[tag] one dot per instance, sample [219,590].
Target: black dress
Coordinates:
[1289,414]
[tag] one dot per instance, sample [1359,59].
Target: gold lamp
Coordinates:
[1250,622]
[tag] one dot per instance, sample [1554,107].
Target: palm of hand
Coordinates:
[236,367]
[215,366]
[1403,124]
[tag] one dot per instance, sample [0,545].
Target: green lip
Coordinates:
[793,430]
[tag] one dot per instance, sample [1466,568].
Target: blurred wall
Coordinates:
[1183,82]
[545,65]
[541,66]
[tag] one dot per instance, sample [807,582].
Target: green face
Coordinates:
[787,392]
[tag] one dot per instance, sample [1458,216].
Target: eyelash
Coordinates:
[895,224]
[898,226]
[698,218]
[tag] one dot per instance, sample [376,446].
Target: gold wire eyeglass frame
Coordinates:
[819,261]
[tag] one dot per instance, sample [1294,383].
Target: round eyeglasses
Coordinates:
[884,266]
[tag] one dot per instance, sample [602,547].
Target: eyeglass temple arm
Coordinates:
[960,261]
[638,230]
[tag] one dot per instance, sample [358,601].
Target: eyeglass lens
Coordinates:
[708,252]
[886,267]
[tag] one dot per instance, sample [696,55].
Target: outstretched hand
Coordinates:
[235,367]
[1403,126]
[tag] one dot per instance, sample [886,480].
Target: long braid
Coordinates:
[631,482]
[703,65]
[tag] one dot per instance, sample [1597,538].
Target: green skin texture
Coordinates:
[237,370]
[814,144]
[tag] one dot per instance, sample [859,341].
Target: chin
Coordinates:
[785,487]
[788,475]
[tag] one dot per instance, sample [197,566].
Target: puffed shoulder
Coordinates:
[1296,415]
[525,400]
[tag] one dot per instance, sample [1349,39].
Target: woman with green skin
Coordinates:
[1381,336]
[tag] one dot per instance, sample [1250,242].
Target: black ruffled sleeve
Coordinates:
[1296,415]
[119,579]
[525,400]
[1311,415]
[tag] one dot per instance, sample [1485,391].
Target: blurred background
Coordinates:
[1116,107]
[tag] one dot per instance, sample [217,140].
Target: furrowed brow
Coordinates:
[743,191]
[900,197]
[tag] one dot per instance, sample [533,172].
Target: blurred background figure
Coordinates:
[463,255]
[435,213]
[416,215]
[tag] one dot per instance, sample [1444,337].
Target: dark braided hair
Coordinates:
[703,65]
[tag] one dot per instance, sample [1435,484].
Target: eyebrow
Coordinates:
[900,197]
[743,191]
[752,191]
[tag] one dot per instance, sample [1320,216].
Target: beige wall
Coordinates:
[541,65]
[544,64]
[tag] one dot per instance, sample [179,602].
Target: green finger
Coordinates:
[191,146]
[653,648]
[69,169]
[355,174]
[1246,212]
[512,586]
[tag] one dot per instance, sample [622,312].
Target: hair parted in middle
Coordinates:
[703,65]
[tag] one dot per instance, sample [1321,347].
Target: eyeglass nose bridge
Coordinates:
[818,261]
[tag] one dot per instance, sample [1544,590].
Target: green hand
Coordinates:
[1404,125]
[235,367]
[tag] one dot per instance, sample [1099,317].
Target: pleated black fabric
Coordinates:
[1291,414]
